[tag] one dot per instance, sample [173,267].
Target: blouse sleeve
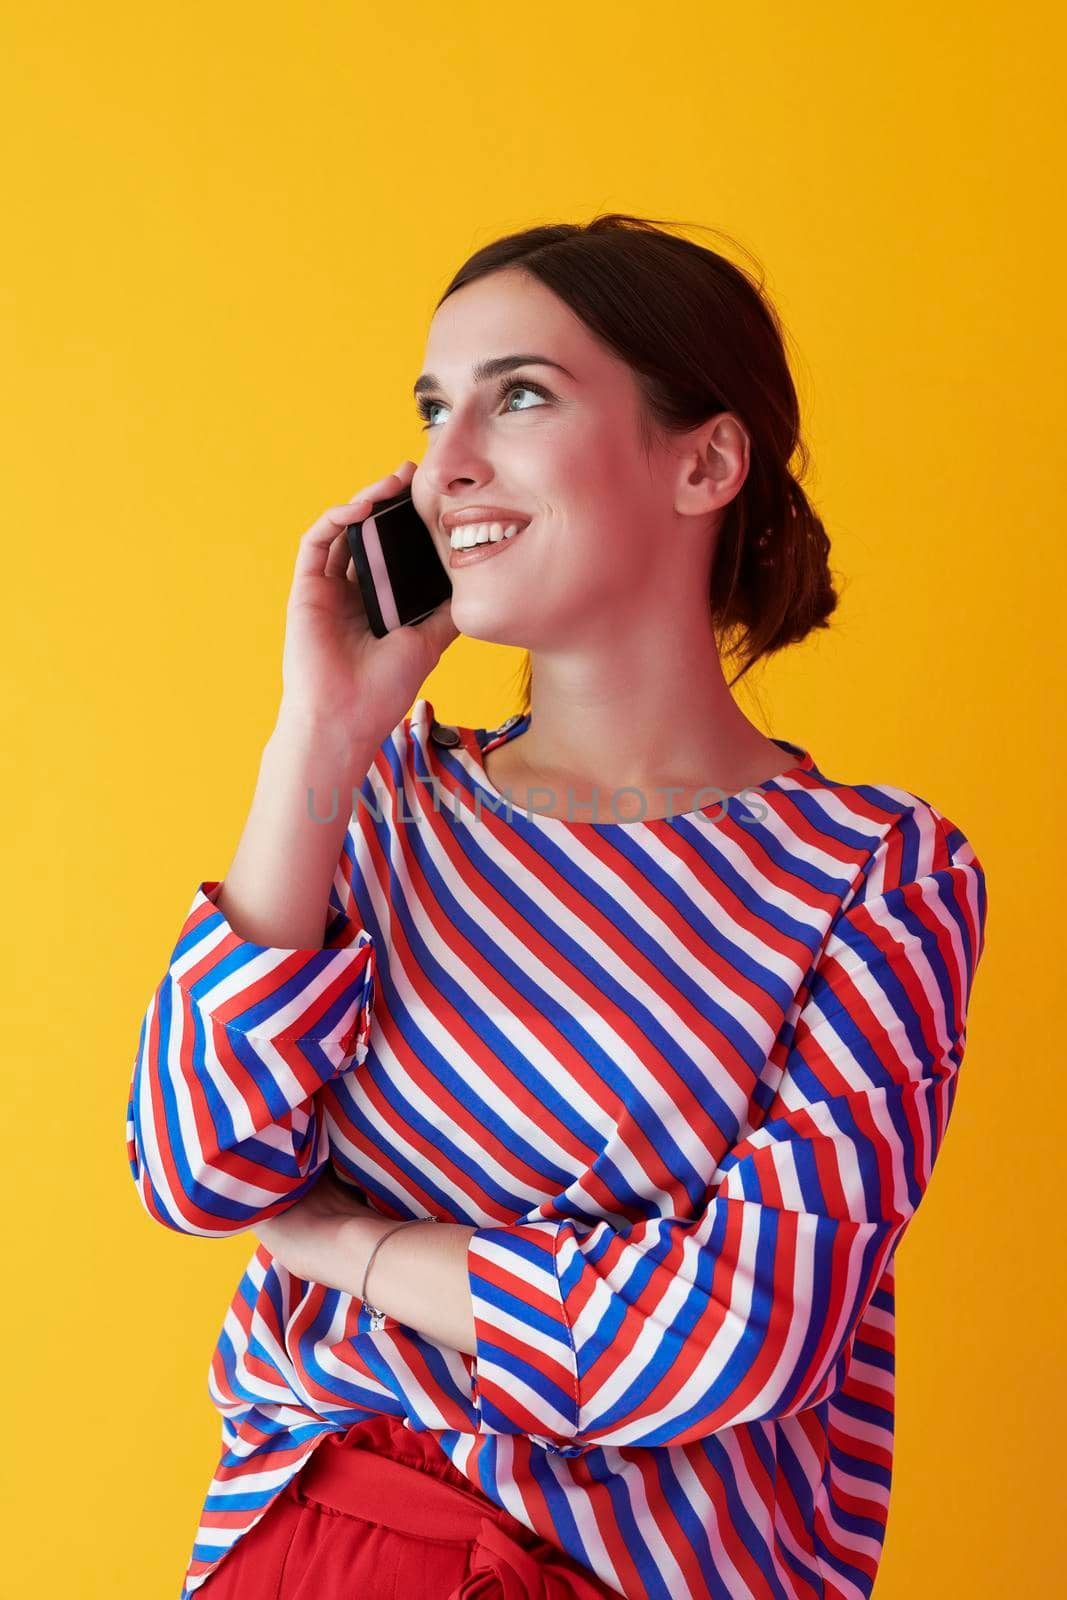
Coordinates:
[223,1126]
[672,1328]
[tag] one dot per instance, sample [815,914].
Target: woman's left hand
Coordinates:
[315,1238]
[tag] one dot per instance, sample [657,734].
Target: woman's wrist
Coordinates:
[418,1277]
[366,1234]
[326,743]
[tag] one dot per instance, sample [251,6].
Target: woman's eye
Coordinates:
[426,406]
[523,388]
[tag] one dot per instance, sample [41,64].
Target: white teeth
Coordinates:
[462,538]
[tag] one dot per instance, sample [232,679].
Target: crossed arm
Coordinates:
[583,1332]
[419,1276]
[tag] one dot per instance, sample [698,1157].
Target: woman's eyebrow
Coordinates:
[492,367]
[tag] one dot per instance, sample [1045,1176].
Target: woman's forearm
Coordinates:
[277,893]
[277,890]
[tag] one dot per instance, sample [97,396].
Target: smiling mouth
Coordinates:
[495,538]
[466,536]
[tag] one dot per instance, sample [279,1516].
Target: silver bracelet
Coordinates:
[407,1223]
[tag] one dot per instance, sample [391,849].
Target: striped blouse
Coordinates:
[687,1078]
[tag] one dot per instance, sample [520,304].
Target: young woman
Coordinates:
[657,1024]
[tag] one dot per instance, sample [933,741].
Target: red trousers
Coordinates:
[380,1513]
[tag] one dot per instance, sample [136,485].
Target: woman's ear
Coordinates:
[714,465]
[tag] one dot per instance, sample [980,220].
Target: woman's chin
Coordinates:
[495,623]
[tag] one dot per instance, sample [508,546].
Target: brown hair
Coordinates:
[700,336]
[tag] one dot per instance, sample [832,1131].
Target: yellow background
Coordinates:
[226,230]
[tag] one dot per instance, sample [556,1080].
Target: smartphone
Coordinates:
[401,576]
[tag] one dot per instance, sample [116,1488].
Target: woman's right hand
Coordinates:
[335,672]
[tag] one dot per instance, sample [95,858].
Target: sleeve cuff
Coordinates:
[525,1371]
[320,999]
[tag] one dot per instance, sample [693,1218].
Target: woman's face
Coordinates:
[563,448]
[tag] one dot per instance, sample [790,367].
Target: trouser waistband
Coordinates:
[388,1492]
[394,1495]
